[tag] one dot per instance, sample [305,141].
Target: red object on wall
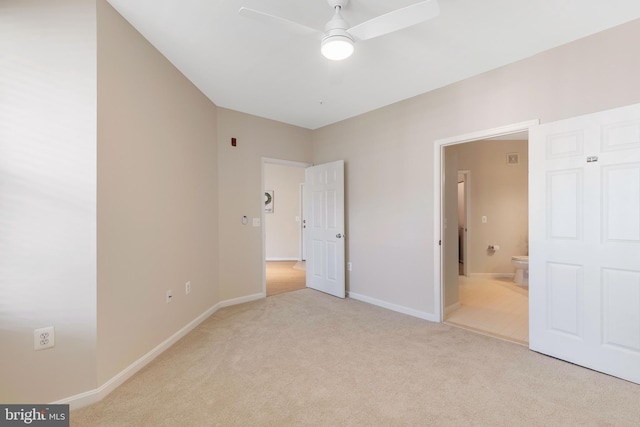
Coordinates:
[233,142]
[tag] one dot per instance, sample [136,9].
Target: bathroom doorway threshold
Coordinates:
[487,333]
[496,307]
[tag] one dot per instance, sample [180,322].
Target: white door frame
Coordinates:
[438,231]
[302,256]
[264,161]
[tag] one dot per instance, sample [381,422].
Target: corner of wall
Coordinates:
[48,199]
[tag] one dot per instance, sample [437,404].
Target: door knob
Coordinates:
[339,236]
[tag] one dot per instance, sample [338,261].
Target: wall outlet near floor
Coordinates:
[169,296]
[349,265]
[43,338]
[187,288]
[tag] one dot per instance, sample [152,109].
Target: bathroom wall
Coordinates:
[461,218]
[450,238]
[498,190]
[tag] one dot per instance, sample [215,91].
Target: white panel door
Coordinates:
[584,254]
[324,227]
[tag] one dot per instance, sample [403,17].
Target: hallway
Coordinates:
[285,276]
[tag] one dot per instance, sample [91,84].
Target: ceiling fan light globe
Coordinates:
[337,47]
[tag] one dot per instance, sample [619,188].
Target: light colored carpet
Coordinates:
[308,359]
[285,276]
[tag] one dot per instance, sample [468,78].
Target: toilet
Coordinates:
[521,263]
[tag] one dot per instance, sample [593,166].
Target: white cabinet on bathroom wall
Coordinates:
[584,263]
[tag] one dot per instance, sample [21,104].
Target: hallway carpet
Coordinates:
[285,276]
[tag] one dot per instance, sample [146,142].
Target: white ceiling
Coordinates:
[248,66]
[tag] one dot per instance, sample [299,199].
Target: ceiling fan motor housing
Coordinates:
[337,27]
[340,3]
[337,43]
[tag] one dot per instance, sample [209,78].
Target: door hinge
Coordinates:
[440,242]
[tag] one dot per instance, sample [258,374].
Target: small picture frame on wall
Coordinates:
[268,201]
[513,158]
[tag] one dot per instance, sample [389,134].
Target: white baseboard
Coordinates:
[451,308]
[96,395]
[492,275]
[394,307]
[241,300]
[282,259]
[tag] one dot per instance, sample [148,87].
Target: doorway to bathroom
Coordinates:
[485,224]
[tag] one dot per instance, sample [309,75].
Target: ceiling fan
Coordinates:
[338,37]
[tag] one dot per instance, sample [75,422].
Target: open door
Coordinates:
[324,227]
[584,263]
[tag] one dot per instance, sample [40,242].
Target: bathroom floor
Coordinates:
[496,307]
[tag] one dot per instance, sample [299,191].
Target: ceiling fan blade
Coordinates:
[292,27]
[396,20]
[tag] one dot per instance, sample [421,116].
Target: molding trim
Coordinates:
[283,259]
[241,300]
[489,133]
[286,162]
[96,395]
[493,275]
[394,307]
[451,308]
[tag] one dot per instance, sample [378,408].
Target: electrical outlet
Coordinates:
[349,266]
[187,288]
[169,296]
[43,338]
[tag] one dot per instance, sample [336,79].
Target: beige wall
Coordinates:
[157,197]
[47,197]
[390,154]
[240,193]
[282,240]
[500,192]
